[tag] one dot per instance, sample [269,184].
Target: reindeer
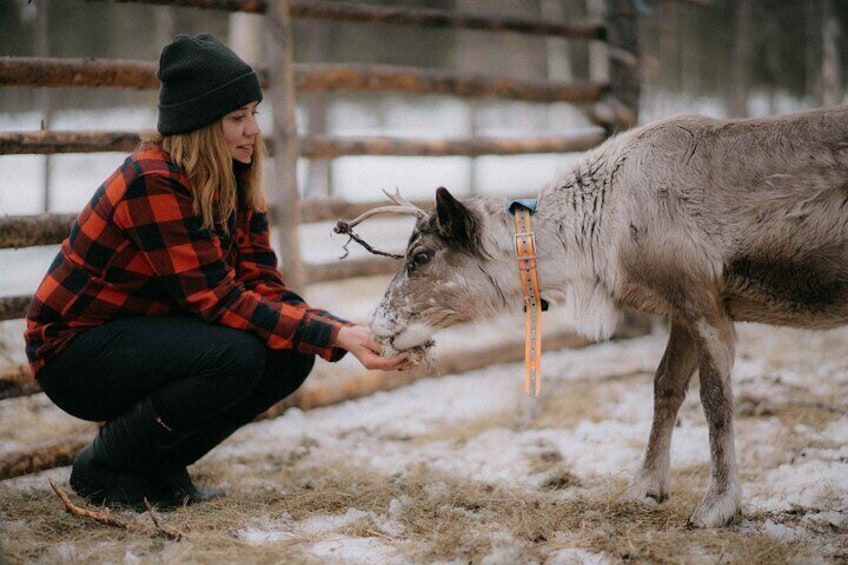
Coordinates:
[705,222]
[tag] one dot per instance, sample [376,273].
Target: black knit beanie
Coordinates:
[202,81]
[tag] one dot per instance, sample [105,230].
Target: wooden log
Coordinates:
[387,78]
[29,230]
[350,268]
[56,72]
[431,18]
[16,380]
[50,229]
[396,15]
[43,456]
[328,147]
[47,142]
[321,77]
[14,307]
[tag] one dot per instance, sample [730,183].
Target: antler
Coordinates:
[401,206]
[401,201]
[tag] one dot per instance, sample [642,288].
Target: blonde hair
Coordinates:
[203,156]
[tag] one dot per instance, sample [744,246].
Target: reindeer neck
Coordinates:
[574,246]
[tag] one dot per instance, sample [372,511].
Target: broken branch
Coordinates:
[169,533]
[105,517]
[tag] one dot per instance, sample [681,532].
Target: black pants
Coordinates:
[203,379]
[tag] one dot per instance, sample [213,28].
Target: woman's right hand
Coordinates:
[357,340]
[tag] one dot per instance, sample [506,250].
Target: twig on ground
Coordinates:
[105,517]
[170,533]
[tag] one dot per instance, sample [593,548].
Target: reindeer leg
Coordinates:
[670,383]
[722,503]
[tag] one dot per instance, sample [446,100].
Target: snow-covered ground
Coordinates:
[581,440]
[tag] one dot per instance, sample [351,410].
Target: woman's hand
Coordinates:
[357,340]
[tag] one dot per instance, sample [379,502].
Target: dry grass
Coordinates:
[435,517]
[447,519]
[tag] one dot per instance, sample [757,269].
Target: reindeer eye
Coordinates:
[418,259]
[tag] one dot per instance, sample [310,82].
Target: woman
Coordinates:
[164,314]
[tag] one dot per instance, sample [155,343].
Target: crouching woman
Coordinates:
[164,314]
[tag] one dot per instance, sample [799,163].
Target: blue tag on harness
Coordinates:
[528,203]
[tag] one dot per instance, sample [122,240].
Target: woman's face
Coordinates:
[240,130]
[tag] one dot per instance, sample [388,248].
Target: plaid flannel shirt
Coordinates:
[139,249]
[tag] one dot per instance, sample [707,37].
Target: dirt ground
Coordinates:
[465,469]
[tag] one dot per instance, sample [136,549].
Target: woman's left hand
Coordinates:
[357,340]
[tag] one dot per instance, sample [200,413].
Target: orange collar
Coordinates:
[525,248]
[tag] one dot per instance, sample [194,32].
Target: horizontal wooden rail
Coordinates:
[322,77]
[389,78]
[30,230]
[396,15]
[63,72]
[49,229]
[350,268]
[14,307]
[47,142]
[328,147]
[16,380]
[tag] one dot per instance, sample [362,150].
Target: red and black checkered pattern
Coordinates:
[138,248]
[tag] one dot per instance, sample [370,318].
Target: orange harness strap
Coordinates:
[525,248]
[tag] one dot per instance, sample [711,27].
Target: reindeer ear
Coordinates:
[454,221]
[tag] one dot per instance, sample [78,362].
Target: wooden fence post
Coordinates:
[622,37]
[282,100]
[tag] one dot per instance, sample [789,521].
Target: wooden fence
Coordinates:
[611,104]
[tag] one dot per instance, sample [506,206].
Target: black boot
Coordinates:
[131,460]
[177,483]
[187,452]
[94,479]
[201,442]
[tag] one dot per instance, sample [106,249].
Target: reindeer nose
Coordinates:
[413,335]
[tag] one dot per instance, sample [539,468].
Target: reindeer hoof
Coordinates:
[715,512]
[644,489]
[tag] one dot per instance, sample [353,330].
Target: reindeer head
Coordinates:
[451,274]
